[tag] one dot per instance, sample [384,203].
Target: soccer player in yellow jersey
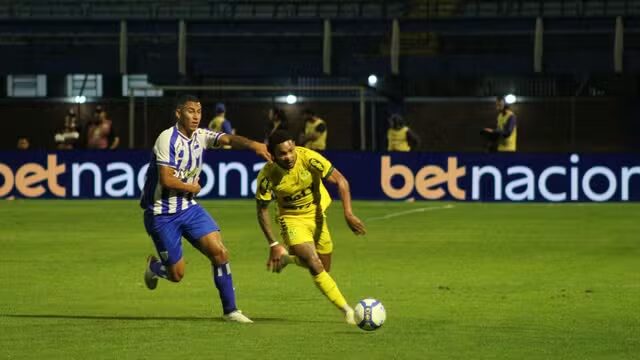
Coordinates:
[295,179]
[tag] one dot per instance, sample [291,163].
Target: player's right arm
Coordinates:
[168,181]
[263,198]
[165,155]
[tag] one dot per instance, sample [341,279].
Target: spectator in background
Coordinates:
[100,133]
[67,137]
[276,120]
[503,137]
[220,123]
[315,131]
[23,143]
[399,136]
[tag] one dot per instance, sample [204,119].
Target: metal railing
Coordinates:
[310,9]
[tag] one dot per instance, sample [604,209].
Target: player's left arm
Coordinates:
[241,142]
[356,225]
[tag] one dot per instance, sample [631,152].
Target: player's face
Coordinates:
[285,154]
[500,105]
[189,115]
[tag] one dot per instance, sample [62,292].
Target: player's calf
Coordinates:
[176,272]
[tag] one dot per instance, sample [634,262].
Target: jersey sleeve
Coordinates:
[263,191]
[319,164]
[210,138]
[164,149]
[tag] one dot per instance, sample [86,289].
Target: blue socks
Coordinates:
[224,284]
[158,269]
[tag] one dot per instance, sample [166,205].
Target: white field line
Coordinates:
[418,210]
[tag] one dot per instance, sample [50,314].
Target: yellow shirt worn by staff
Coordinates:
[311,127]
[216,126]
[508,143]
[397,139]
[302,198]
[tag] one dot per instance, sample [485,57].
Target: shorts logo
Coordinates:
[164,255]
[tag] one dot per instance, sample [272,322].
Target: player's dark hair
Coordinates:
[308,111]
[278,137]
[183,99]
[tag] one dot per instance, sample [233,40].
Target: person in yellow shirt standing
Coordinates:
[505,135]
[399,136]
[295,179]
[220,123]
[315,131]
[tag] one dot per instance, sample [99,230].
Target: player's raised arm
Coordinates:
[169,181]
[356,225]
[241,142]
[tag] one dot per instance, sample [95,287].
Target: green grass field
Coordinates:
[459,281]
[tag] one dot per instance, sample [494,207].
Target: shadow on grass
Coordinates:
[268,320]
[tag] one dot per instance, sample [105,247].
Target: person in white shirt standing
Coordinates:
[170,211]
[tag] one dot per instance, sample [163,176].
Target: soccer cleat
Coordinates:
[349,316]
[237,316]
[150,279]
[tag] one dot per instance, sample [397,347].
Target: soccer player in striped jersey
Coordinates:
[170,211]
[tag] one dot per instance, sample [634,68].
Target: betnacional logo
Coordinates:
[32,179]
[561,182]
[430,181]
[116,179]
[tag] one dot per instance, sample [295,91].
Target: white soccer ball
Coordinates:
[370,314]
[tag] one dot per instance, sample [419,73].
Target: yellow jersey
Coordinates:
[320,143]
[397,139]
[298,191]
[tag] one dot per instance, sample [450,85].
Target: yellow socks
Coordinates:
[328,286]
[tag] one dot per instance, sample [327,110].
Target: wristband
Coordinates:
[273,244]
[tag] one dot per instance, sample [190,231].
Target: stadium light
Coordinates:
[372,80]
[510,99]
[291,99]
[80,99]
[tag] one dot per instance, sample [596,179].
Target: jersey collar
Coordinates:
[183,135]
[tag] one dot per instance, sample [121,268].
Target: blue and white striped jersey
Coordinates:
[184,155]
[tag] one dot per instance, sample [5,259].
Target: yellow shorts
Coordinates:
[297,229]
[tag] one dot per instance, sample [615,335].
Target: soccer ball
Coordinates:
[370,314]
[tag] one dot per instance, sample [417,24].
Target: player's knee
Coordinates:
[315,265]
[221,256]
